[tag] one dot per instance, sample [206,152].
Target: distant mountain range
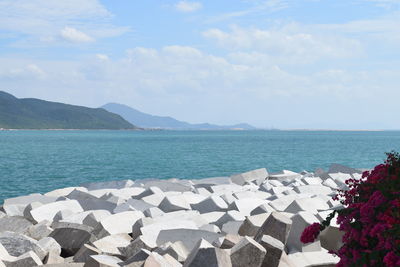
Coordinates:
[31,113]
[144,120]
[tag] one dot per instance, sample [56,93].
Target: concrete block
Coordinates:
[154,199]
[335,168]
[262,209]
[138,259]
[231,227]
[153,212]
[246,205]
[133,204]
[177,250]
[211,228]
[247,252]
[317,259]
[103,261]
[90,202]
[300,222]
[313,189]
[189,237]
[117,223]
[48,211]
[274,249]
[72,237]
[19,244]
[312,180]
[276,225]
[210,204]
[152,231]
[258,176]
[109,245]
[28,208]
[40,230]
[136,246]
[312,205]
[94,217]
[252,224]
[108,185]
[227,242]
[172,261]
[285,175]
[53,258]
[232,215]
[204,254]
[174,203]
[129,192]
[212,217]
[14,224]
[85,252]
[49,244]
[62,192]
[25,260]
[62,214]
[167,186]
[153,190]
[15,206]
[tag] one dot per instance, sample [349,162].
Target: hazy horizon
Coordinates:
[273,64]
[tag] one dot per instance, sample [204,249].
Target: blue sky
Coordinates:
[272,63]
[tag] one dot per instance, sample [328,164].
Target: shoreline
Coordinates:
[213,130]
[176,221]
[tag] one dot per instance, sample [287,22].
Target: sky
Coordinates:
[289,64]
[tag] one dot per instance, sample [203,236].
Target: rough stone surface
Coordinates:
[277,225]
[50,245]
[48,211]
[247,252]
[211,204]
[14,224]
[40,230]
[258,176]
[153,222]
[117,223]
[25,260]
[300,222]
[274,249]
[85,252]
[19,244]
[72,237]
[103,261]
[188,237]
[174,203]
[110,244]
[204,254]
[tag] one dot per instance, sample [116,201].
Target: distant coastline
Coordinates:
[212,130]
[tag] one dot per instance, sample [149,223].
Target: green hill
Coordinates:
[30,113]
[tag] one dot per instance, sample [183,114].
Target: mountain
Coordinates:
[31,113]
[150,121]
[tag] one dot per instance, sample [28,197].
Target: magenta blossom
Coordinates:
[310,233]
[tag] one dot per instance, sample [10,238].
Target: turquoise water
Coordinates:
[40,161]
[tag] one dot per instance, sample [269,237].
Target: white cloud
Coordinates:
[40,21]
[191,84]
[291,44]
[187,6]
[17,70]
[265,6]
[102,57]
[73,35]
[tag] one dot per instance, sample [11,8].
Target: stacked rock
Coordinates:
[251,219]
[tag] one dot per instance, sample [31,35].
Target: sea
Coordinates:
[38,161]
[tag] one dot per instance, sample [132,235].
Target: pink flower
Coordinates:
[310,233]
[391,260]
